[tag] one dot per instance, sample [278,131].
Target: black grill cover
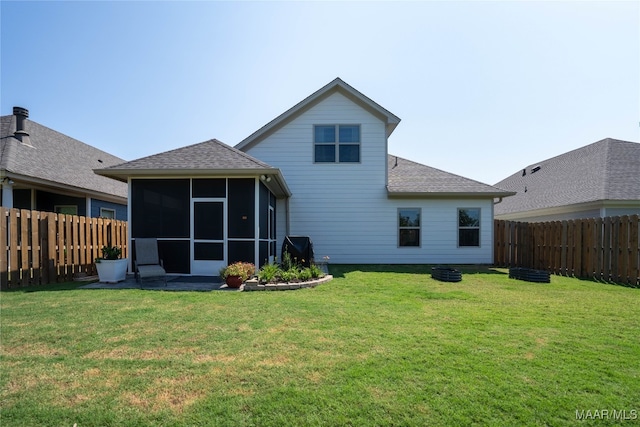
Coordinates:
[300,248]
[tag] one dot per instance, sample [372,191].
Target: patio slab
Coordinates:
[179,283]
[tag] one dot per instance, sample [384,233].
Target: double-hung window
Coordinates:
[409,227]
[336,143]
[469,227]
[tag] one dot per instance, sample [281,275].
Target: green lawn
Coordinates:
[378,345]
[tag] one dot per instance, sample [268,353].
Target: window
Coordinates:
[107,213]
[336,143]
[66,209]
[469,227]
[409,227]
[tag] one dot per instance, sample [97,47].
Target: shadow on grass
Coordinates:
[52,287]
[339,270]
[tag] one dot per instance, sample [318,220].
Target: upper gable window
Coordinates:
[336,143]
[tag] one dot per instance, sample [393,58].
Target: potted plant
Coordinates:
[237,273]
[111,268]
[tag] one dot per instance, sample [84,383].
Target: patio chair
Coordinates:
[148,262]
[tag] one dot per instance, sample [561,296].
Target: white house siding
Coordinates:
[344,208]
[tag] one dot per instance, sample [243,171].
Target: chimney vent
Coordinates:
[21,134]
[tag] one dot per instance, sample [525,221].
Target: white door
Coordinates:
[208,236]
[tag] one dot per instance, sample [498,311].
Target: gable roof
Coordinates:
[407,178]
[206,158]
[52,159]
[337,85]
[605,170]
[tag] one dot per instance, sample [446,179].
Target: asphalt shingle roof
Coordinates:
[57,158]
[205,158]
[408,177]
[605,170]
[208,155]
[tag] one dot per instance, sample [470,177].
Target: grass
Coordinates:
[378,345]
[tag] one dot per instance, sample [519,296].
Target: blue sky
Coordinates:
[482,88]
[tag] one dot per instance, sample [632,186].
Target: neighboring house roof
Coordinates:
[337,85]
[206,158]
[52,159]
[607,170]
[407,178]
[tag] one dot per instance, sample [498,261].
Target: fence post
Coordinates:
[615,247]
[36,248]
[634,261]
[4,265]
[14,271]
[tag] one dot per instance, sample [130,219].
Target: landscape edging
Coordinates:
[254,285]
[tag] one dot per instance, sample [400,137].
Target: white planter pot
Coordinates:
[112,270]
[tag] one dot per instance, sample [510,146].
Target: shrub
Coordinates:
[305,274]
[289,275]
[269,272]
[287,263]
[315,271]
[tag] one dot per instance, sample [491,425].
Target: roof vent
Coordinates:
[524,171]
[535,169]
[21,116]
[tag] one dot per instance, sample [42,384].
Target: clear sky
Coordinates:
[483,88]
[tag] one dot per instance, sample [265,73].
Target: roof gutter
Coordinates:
[55,187]
[448,195]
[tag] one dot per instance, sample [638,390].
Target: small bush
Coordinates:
[269,273]
[305,274]
[315,271]
[287,263]
[290,275]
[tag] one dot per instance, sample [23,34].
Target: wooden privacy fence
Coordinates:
[37,248]
[605,249]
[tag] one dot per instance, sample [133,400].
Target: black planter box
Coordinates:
[529,275]
[446,274]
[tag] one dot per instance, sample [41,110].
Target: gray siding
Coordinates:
[344,208]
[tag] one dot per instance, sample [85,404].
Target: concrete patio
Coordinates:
[174,283]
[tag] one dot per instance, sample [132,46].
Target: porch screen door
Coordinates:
[208,237]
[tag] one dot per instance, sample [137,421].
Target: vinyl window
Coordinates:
[469,227]
[336,143]
[409,227]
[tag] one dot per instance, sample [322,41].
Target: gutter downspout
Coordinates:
[286,217]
